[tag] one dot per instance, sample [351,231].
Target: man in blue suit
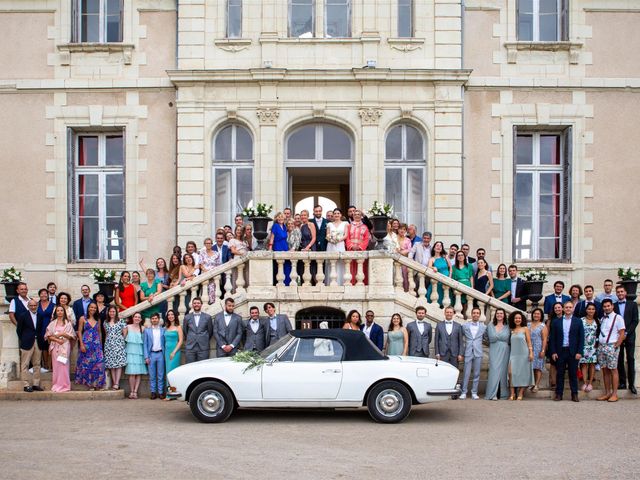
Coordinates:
[154,345]
[556,297]
[581,307]
[79,307]
[321,229]
[225,255]
[566,345]
[372,330]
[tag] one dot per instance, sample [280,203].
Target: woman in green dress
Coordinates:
[462,271]
[439,264]
[502,284]
[498,335]
[173,338]
[521,356]
[148,289]
[397,337]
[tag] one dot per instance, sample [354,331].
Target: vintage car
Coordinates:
[315,369]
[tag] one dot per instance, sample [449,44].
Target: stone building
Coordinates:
[131,125]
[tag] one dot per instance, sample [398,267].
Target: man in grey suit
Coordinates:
[449,339]
[278,325]
[473,332]
[198,329]
[419,334]
[255,331]
[227,330]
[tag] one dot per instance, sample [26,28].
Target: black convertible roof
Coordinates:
[356,344]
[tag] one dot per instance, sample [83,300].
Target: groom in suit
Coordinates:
[473,332]
[278,325]
[566,345]
[419,334]
[449,339]
[372,330]
[321,229]
[255,331]
[227,330]
[198,330]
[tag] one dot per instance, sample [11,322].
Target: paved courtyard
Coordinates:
[534,439]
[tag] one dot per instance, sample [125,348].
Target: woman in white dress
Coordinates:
[336,233]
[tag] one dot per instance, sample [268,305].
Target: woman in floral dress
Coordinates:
[539,335]
[115,356]
[589,357]
[90,365]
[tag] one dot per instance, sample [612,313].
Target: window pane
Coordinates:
[114,27]
[336,144]
[548,28]
[87,151]
[549,150]
[525,6]
[223,144]
[115,206]
[114,150]
[549,226]
[524,150]
[548,6]
[318,350]
[88,240]
[550,183]
[338,21]
[90,6]
[88,206]
[525,20]
[393,190]
[244,188]
[405,27]
[244,144]
[223,200]
[234,19]
[115,239]
[87,184]
[524,232]
[414,144]
[302,144]
[394,144]
[523,193]
[115,184]
[415,197]
[301,20]
[549,248]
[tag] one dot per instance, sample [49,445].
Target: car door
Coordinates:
[310,369]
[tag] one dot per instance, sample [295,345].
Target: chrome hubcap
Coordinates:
[389,403]
[210,403]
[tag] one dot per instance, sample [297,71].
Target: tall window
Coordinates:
[542,196]
[232,173]
[405,172]
[319,142]
[543,20]
[97,197]
[234,18]
[97,21]
[405,18]
[337,18]
[302,18]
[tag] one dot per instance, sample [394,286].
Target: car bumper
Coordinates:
[447,392]
[174,395]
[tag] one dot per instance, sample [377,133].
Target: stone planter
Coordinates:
[108,290]
[533,291]
[10,290]
[260,232]
[379,223]
[631,286]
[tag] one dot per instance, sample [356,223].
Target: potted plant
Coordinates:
[629,278]
[106,281]
[10,278]
[534,281]
[260,219]
[379,215]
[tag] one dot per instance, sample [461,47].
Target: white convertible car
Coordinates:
[315,369]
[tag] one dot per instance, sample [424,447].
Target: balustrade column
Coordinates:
[347,273]
[182,309]
[434,291]
[216,282]
[306,273]
[320,273]
[294,274]
[333,273]
[360,272]
[205,292]
[422,291]
[193,292]
[240,283]
[458,305]
[228,286]
[280,272]
[412,283]
[446,297]
[397,280]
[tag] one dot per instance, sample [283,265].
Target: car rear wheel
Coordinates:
[211,402]
[389,402]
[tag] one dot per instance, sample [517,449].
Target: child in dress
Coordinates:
[135,353]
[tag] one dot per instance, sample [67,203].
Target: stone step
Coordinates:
[546,394]
[73,395]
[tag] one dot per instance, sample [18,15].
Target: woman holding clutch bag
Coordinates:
[59,335]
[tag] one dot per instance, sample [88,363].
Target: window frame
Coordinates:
[349,5]
[228,16]
[562,22]
[232,164]
[101,171]
[536,169]
[411,19]
[76,23]
[319,145]
[290,5]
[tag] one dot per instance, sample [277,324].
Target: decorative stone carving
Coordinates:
[233,45]
[370,116]
[233,48]
[405,47]
[268,116]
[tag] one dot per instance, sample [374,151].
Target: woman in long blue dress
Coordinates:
[521,356]
[439,264]
[278,243]
[44,315]
[173,341]
[90,365]
[498,335]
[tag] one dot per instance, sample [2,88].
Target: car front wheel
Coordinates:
[389,402]
[211,402]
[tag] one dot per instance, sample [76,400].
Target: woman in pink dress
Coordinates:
[59,334]
[404,247]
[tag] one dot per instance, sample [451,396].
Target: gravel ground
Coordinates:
[468,439]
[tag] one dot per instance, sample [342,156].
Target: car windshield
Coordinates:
[268,352]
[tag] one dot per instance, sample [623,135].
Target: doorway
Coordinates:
[311,317]
[310,186]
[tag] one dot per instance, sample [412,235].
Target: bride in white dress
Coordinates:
[336,233]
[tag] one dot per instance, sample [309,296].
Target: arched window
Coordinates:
[405,174]
[319,142]
[232,173]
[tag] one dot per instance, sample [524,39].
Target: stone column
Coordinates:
[269,186]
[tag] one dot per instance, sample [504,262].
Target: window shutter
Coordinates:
[566,195]
[121,32]
[517,37]
[73,194]
[513,194]
[564,20]
[74,21]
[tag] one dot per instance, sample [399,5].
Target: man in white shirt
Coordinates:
[255,331]
[154,344]
[227,330]
[23,298]
[608,292]
[419,334]
[612,333]
[451,258]
[52,288]
[372,330]
[27,330]
[473,332]
[449,339]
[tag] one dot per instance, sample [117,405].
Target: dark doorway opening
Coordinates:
[311,317]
